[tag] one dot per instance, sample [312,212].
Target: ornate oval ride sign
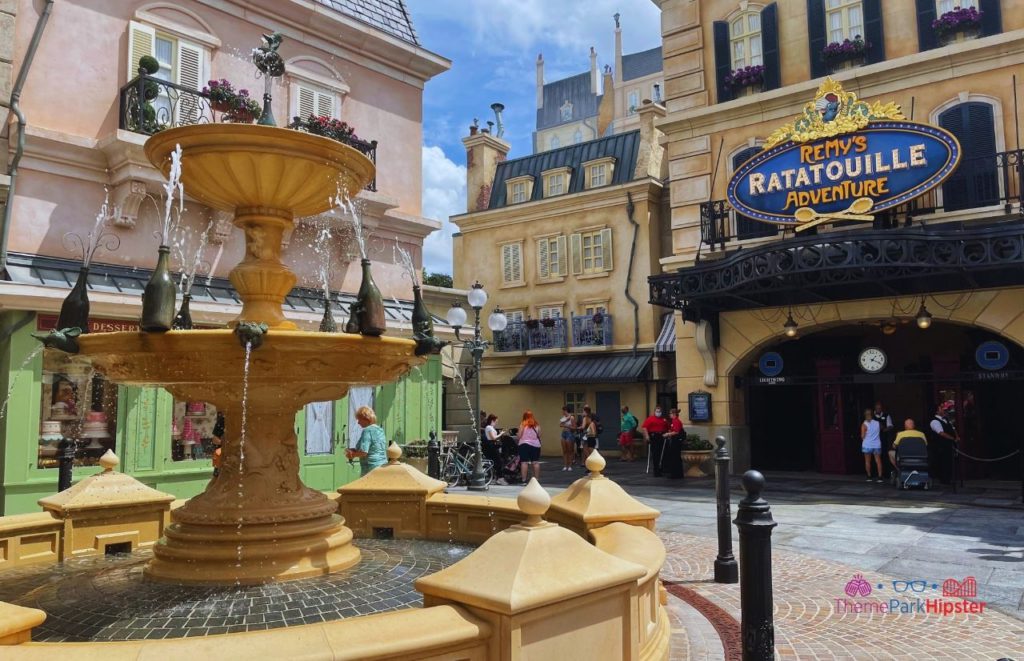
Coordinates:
[843,159]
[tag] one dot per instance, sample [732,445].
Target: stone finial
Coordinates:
[596,464]
[533,501]
[109,461]
[394,452]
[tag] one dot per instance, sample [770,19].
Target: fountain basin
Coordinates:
[232,166]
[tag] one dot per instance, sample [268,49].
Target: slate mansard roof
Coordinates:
[575,89]
[644,63]
[623,147]
[390,16]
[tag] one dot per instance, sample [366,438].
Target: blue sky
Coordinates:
[493,46]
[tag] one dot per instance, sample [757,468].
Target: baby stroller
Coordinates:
[912,464]
[508,469]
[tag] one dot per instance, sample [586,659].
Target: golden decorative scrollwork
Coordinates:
[834,111]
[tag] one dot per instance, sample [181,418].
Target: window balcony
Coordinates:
[989,186]
[592,331]
[546,334]
[149,105]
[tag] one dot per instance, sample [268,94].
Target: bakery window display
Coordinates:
[76,403]
[192,430]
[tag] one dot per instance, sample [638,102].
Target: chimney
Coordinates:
[483,153]
[540,81]
[650,159]
[618,52]
[593,70]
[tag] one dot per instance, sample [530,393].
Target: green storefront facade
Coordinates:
[144,425]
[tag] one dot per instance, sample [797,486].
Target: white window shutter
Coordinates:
[606,248]
[306,105]
[562,257]
[189,75]
[141,42]
[325,104]
[506,263]
[543,267]
[577,253]
[517,262]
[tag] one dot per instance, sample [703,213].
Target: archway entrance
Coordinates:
[807,416]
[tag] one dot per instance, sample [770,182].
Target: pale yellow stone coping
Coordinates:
[15,619]
[13,523]
[632,543]
[104,491]
[393,478]
[596,499]
[423,633]
[529,565]
[458,500]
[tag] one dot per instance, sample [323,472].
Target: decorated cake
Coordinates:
[195,408]
[50,430]
[95,425]
[62,411]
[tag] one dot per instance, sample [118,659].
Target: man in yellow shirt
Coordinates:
[908,431]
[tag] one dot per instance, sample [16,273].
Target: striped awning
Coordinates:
[667,337]
[563,370]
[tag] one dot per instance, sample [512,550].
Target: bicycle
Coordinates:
[457,466]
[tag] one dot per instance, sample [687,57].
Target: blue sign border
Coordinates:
[762,364]
[944,136]
[999,363]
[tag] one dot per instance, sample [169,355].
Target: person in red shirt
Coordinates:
[672,463]
[654,429]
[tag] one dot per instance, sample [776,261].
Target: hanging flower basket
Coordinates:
[958,25]
[548,323]
[843,55]
[598,319]
[532,324]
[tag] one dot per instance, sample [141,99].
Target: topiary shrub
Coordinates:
[150,90]
[149,65]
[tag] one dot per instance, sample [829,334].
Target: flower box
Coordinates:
[746,81]
[957,25]
[846,54]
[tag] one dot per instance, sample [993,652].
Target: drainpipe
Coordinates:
[15,107]
[629,274]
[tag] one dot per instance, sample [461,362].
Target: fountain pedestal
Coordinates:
[256,521]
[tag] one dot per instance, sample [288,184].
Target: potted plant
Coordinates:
[957,25]
[846,54]
[243,110]
[548,322]
[335,129]
[745,80]
[414,453]
[532,323]
[222,94]
[598,318]
[696,451]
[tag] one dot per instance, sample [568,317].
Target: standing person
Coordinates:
[492,443]
[218,441]
[567,425]
[627,429]
[581,435]
[529,445]
[589,434]
[672,462]
[871,443]
[372,448]
[654,429]
[888,431]
[943,441]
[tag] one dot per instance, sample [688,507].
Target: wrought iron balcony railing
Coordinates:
[533,335]
[979,182]
[149,105]
[592,331]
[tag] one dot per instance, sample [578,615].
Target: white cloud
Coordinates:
[444,195]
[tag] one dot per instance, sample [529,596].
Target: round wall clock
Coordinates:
[872,360]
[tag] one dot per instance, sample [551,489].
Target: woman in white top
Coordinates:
[871,443]
[567,423]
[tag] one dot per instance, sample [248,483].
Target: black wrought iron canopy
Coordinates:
[852,264]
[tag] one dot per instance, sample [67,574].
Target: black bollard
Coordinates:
[726,569]
[755,523]
[65,461]
[434,457]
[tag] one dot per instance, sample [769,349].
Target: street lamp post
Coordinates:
[497,321]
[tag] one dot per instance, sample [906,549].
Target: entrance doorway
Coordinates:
[808,417]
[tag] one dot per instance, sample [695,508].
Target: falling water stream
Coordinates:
[14,379]
[241,452]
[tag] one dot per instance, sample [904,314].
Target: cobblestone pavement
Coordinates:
[106,598]
[807,625]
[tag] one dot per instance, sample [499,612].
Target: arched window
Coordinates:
[555,143]
[577,137]
[976,182]
[845,19]
[745,40]
[746,227]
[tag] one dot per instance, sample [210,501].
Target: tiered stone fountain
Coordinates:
[257,521]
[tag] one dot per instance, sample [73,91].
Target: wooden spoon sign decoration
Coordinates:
[807,217]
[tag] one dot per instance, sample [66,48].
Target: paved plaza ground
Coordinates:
[830,529]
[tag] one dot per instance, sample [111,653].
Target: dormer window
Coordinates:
[599,172]
[556,181]
[519,189]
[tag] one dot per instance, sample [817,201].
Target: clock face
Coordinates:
[872,360]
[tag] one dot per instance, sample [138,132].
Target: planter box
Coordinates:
[693,460]
[959,36]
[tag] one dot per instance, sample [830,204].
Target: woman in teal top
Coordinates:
[372,447]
